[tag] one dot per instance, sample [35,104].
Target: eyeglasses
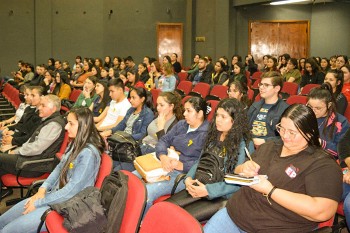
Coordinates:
[283,131]
[265,85]
[315,108]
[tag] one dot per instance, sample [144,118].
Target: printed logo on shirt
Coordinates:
[291,171]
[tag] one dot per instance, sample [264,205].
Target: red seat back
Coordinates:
[74,94]
[290,88]
[155,93]
[185,86]
[307,88]
[167,217]
[296,99]
[202,88]
[213,105]
[347,112]
[106,167]
[135,204]
[219,91]
[257,75]
[183,76]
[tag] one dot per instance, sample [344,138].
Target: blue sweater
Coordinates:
[188,144]
[341,126]
[139,128]
[221,189]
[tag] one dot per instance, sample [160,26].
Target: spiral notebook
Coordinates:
[241,180]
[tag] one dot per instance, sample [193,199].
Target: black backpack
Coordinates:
[93,210]
[211,165]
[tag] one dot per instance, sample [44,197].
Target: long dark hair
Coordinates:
[141,92]
[175,99]
[86,134]
[305,121]
[324,93]
[63,80]
[137,78]
[339,76]
[244,90]
[238,132]
[105,97]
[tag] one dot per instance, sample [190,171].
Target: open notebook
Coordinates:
[241,180]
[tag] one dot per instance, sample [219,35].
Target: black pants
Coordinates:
[8,166]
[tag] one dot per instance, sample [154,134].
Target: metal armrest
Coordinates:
[31,162]
[179,178]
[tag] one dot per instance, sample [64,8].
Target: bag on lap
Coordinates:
[123,147]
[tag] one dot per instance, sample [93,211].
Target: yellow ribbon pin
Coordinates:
[71,165]
[190,142]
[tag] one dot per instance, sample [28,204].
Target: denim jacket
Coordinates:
[139,128]
[221,189]
[82,173]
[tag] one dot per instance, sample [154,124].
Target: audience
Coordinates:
[103,98]
[88,95]
[336,80]
[297,169]
[167,81]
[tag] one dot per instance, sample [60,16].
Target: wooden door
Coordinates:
[278,37]
[169,40]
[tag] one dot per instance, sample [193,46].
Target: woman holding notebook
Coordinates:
[303,188]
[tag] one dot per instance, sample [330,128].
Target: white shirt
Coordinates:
[115,110]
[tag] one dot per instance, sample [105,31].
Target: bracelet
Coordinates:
[268,196]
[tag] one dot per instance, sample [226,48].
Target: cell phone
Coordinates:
[195,184]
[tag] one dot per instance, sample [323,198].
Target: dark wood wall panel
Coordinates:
[279,37]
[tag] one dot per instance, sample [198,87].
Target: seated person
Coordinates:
[43,143]
[135,122]
[63,183]
[170,111]
[88,95]
[298,169]
[103,98]
[202,74]
[291,73]
[61,88]
[166,82]
[312,74]
[227,139]
[133,79]
[116,110]
[332,125]
[344,156]
[187,139]
[336,79]
[18,134]
[23,95]
[265,114]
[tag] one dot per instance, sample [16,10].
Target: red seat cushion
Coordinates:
[10,180]
[54,223]
[162,198]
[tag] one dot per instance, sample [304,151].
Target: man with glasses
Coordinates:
[265,114]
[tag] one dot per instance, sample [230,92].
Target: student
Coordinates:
[238,91]
[88,95]
[292,74]
[186,138]
[77,170]
[219,76]
[265,114]
[346,86]
[133,79]
[311,75]
[170,111]
[167,82]
[238,74]
[297,169]
[136,120]
[336,79]
[103,98]
[62,89]
[332,125]
[116,110]
[227,138]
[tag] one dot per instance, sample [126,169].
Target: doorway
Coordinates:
[169,40]
[278,37]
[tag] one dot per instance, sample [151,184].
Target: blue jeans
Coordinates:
[146,149]
[13,221]
[161,188]
[221,222]
[346,199]
[123,166]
